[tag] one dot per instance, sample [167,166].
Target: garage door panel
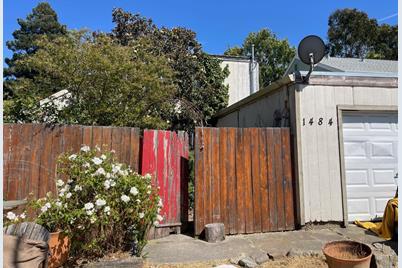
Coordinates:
[382,149]
[370,142]
[355,149]
[358,177]
[384,177]
[358,208]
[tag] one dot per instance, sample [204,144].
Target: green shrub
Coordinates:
[102,205]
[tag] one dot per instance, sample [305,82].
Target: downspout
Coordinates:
[253,84]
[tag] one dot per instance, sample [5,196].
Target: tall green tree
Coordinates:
[42,21]
[108,84]
[272,54]
[351,33]
[198,76]
[386,45]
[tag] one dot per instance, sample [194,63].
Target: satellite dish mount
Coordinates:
[311,50]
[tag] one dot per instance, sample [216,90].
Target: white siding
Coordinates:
[257,114]
[320,150]
[238,79]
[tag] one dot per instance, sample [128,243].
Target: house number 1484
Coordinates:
[319,122]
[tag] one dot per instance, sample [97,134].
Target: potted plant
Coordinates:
[101,206]
[347,254]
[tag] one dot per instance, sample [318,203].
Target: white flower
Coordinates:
[138,201]
[48,205]
[134,191]
[148,176]
[103,157]
[112,183]
[59,183]
[85,148]
[123,172]
[160,204]
[80,227]
[100,202]
[107,210]
[86,165]
[148,192]
[68,195]
[58,203]
[89,206]
[11,216]
[141,215]
[64,190]
[93,219]
[99,171]
[72,157]
[97,148]
[97,161]
[69,181]
[107,184]
[116,168]
[156,223]
[90,212]
[77,188]
[108,175]
[125,198]
[159,217]
[44,209]
[23,215]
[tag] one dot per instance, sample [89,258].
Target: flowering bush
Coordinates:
[102,205]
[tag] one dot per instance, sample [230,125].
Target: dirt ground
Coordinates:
[296,262]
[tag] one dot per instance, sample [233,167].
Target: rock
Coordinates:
[294,253]
[248,262]
[383,248]
[225,266]
[383,261]
[276,255]
[260,257]
[214,232]
[236,260]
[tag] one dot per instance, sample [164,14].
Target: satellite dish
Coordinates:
[311,44]
[311,50]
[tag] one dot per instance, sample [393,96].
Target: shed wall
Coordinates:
[238,79]
[319,144]
[259,113]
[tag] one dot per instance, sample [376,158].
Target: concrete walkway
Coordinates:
[181,248]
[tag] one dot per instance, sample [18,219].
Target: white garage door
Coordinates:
[371,161]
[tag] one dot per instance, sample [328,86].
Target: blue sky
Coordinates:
[218,24]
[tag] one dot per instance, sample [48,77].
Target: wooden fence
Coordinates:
[31,150]
[165,156]
[243,178]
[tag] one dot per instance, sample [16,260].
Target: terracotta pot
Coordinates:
[59,246]
[347,254]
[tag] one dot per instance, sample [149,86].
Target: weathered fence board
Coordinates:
[31,150]
[165,156]
[243,178]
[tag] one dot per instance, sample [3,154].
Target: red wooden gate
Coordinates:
[165,157]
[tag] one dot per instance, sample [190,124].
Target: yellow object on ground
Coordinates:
[386,228]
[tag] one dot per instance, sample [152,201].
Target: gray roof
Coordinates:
[353,65]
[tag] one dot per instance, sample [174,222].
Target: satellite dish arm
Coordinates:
[307,77]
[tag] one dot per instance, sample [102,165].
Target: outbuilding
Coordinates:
[344,128]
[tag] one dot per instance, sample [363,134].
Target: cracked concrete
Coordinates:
[182,249]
